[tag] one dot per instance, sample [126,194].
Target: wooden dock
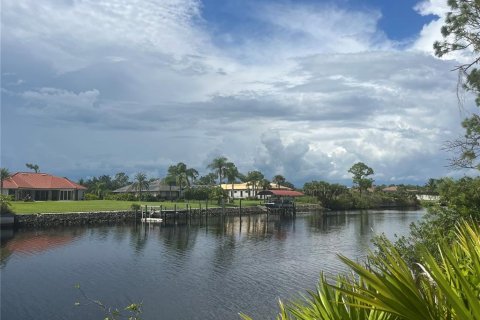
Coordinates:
[185,213]
[282,209]
[281,201]
[159,214]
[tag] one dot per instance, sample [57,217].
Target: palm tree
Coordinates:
[207,180]
[180,174]
[218,165]
[231,173]
[141,182]
[32,166]
[278,180]
[191,175]
[170,180]
[4,175]
[254,178]
[264,184]
[99,188]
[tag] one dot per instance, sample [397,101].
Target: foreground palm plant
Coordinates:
[386,288]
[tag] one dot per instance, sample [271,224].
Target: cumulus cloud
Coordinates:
[277,157]
[76,32]
[322,28]
[431,32]
[142,85]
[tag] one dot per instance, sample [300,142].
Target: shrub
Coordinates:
[459,199]
[307,199]
[149,197]
[386,288]
[135,207]
[121,197]
[5,205]
[91,196]
[197,193]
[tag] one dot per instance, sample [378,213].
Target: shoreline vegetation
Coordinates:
[350,203]
[196,192]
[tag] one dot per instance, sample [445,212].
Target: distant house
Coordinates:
[419,194]
[42,187]
[156,188]
[245,190]
[390,189]
[428,197]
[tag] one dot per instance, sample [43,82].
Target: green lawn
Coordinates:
[21,207]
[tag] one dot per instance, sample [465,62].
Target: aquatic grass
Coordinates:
[385,288]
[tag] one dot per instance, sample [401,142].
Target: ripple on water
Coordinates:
[39,243]
[181,272]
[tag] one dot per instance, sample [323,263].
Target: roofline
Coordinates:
[74,185]
[22,188]
[281,193]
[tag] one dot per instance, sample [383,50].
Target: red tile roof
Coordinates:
[281,193]
[32,180]
[9,184]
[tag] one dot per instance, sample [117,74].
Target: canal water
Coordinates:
[201,270]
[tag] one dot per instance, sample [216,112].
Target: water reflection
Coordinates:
[35,242]
[138,238]
[326,222]
[217,267]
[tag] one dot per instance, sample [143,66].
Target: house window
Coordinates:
[66,195]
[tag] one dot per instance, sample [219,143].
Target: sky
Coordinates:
[299,88]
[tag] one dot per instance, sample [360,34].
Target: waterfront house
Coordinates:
[245,190]
[156,188]
[428,197]
[42,187]
[390,189]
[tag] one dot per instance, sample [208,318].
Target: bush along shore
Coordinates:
[105,217]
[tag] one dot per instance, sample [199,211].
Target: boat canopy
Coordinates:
[280,193]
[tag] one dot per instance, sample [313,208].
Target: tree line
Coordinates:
[363,194]
[185,178]
[194,186]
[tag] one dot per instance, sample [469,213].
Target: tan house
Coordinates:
[390,189]
[245,190]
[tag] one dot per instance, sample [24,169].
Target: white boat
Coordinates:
[152,219]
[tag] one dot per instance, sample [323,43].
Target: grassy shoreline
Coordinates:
[20,207]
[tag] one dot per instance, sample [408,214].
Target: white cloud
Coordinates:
[431,32]
[78,32]
[432,7]
[323,28]
[141,85]
[298,29]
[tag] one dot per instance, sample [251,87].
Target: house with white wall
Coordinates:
[245,190]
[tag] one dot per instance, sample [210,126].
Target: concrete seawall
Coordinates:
[92,218]
[73,218]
